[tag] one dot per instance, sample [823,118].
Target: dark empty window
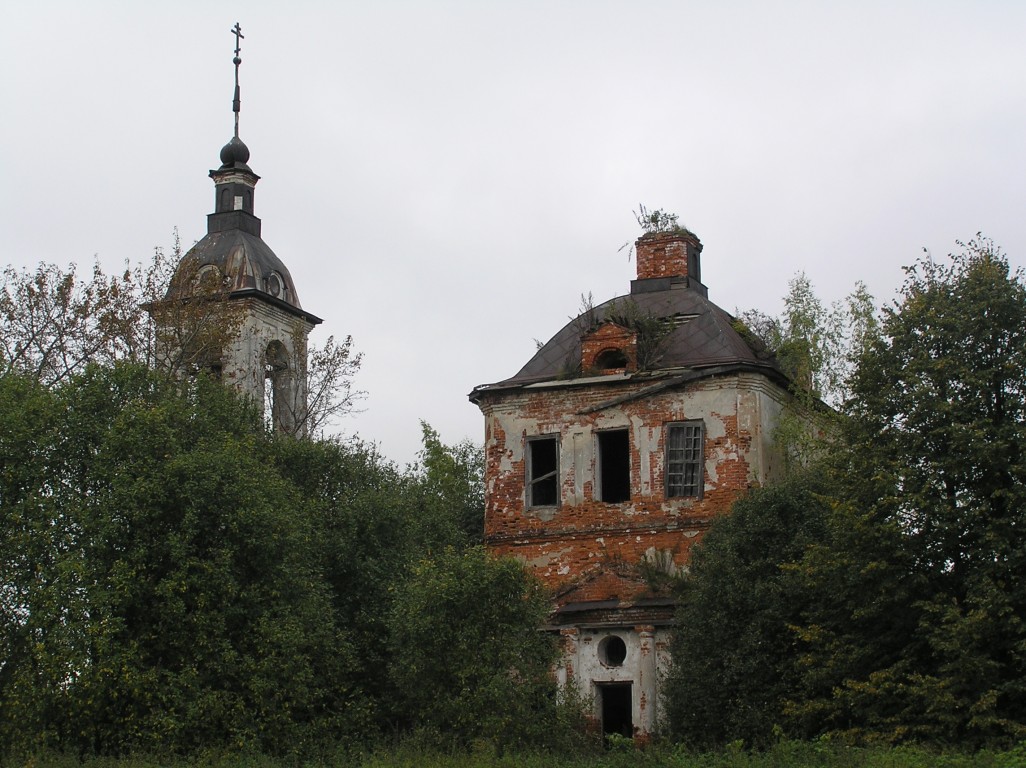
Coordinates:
[612,651]
[610,360]
[543,472]
[684,461]
[614,466]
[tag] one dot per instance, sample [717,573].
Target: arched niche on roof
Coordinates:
[610,347]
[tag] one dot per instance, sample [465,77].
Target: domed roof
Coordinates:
[700,336]
[246,262]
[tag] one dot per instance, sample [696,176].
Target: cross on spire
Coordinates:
[237,101]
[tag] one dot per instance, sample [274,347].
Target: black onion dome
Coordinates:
[235,154]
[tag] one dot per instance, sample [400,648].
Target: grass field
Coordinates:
[784,755]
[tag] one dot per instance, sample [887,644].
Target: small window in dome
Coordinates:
[275,285]
[238,202]
[611,359]
[207,278]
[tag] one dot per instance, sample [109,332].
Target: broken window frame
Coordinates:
[603,469]
[685,459]
[549,475]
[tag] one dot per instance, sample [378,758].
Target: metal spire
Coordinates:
[237,102]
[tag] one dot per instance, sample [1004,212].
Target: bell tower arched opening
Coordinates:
[279,395]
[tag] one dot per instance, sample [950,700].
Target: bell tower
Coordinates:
[233,280]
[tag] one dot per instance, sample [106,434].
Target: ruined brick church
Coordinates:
[609,453]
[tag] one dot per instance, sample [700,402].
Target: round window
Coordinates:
[612,651]
[275,285]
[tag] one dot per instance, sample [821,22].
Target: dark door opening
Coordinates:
[616,709]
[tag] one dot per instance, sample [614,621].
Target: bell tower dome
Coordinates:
[262,350]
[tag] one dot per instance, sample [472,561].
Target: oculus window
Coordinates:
[685,471]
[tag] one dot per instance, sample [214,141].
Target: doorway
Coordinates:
[615,703]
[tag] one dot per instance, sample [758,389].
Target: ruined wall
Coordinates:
[587,667]
[264,327]
[562,543]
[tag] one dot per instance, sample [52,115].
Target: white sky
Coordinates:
[445,179]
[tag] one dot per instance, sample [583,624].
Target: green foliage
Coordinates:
[787,754]
[368,531]
[175,579]
[172,602]
[452,482]
[938,412]
[734,647]
[469,661]
[658,221]
[652,331]
[898,616]
[817,347]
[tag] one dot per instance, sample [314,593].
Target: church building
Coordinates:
[608,454]
[255,334]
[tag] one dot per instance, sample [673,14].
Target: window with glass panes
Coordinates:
[684,462]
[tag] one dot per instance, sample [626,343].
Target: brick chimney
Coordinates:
[668,257]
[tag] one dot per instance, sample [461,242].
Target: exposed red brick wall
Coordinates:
[665,254]
[569,544]
[609,336]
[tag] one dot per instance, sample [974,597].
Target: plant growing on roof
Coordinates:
[655,222]
[652,331]
[658,221]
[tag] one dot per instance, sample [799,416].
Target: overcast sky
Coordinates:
[445,179]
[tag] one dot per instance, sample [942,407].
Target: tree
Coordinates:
[468,659]
[452,483]
[735,650]
[817,346]
[189,315]
[169,596]
[888,604]
[53,323]
[330,371]
[171,314]
[937,429]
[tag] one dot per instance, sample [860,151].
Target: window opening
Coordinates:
[611,359]
[684,459]
[612,651]
[207,279]
[276,385]
[275,285]
[543,471]
[614,466]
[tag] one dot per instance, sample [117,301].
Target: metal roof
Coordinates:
[703,336]
[248,263]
